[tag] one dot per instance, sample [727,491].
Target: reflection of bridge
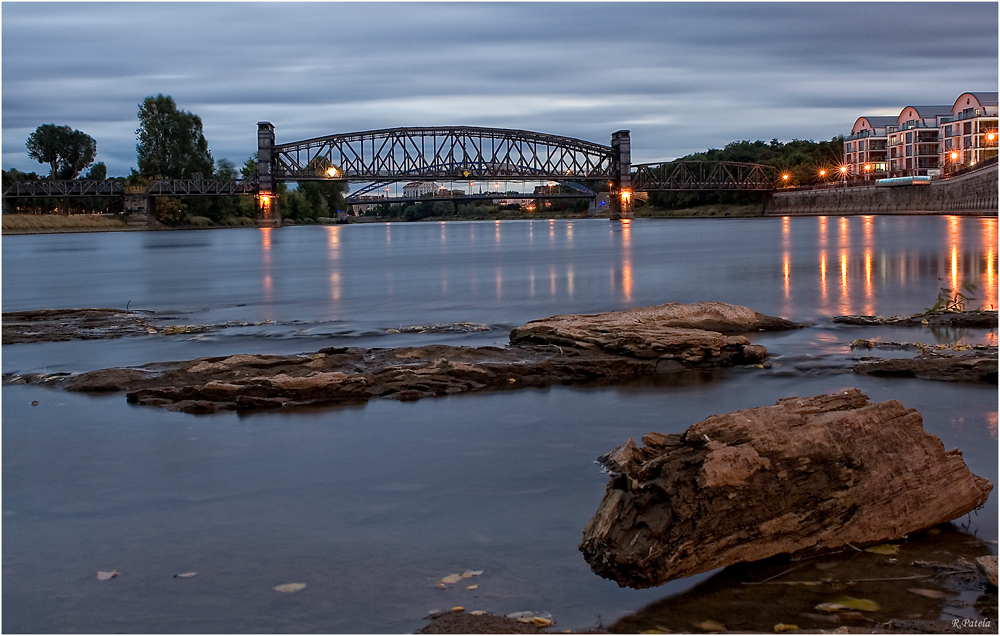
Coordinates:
[464,153]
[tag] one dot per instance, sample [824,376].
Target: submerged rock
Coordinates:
[808,474]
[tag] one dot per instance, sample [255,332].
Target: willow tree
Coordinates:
[171,142]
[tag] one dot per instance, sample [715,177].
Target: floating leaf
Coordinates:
[469,573]
[541,622]
[104,576]
[782,627]
[830,607]
[710,626]
[457,608]
[451,578]
[477,613]
[472,587]
[289,588]
[883,548]
[186,575]
[860,604]
[921,591]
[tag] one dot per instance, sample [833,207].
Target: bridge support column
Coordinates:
[139,207]
[268,208]
[621,191]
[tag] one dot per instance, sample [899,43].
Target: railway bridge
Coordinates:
[450,153]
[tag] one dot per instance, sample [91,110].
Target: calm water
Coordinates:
[371,506]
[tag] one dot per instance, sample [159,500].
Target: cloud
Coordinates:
[683,77]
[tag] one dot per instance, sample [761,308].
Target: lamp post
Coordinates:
[843,174]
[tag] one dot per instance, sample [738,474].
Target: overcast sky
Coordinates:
[683,77]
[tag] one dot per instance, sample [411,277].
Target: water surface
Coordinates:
[370,506]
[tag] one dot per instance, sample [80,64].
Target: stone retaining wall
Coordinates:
[969,194]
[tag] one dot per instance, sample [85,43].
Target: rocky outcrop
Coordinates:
[983,319]
[55,325]
[623,349]
[971,365]
[808,474]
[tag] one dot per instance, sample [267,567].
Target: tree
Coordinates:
[67,151]
[97,171]
[171,142]
[225,169]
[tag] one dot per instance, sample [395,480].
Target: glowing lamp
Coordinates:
[868,167]
[331,171]
[822,173]
[954,156]
[626,195]
[991,136]
[785,177]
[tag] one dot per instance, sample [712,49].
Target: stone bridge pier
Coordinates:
[268,205]
[621,194]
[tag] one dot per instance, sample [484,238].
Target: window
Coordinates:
[947,144]
[909,138]
[947,131]
[968,142]
[909,152]
[967,128]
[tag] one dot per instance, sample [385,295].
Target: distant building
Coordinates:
[923,140]
[419,189]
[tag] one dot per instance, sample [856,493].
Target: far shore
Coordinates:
[14,224]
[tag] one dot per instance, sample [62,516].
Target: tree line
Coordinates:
[170,145]
[802,160]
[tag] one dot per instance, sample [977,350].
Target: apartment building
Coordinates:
[913,148]
[866,149]
[970,135]
[924,140]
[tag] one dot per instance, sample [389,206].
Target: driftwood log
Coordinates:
[808,474]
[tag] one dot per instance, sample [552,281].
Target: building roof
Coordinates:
[984,99]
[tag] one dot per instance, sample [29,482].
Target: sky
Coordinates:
[683,77]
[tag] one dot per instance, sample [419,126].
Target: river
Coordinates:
[371,506]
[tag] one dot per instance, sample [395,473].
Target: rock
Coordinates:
[988,566]
[985,319]
[452,622]
[808,474]
[692,335]
[977,365]
[608,348]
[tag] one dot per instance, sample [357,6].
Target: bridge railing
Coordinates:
[44,188]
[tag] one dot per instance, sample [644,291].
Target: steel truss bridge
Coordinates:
[447,153]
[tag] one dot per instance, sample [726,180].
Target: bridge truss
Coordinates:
[457,153]
[703,175]
[44,188]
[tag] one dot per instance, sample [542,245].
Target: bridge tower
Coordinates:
[268,207]
[621,191]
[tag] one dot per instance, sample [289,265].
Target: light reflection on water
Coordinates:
[370,506]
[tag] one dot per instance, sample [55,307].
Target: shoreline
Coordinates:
[663,215]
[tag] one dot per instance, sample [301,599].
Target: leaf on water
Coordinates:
[472,587]
[289,588]
[186,575]
[469,573]
[451,578]
[830,607]
[477,613]
[921,591]
[457,608]
[783,627]
[104,576]
[860,604]
[541,622]
[883,548]
[710,626]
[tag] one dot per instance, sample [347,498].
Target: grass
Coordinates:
[56,222]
